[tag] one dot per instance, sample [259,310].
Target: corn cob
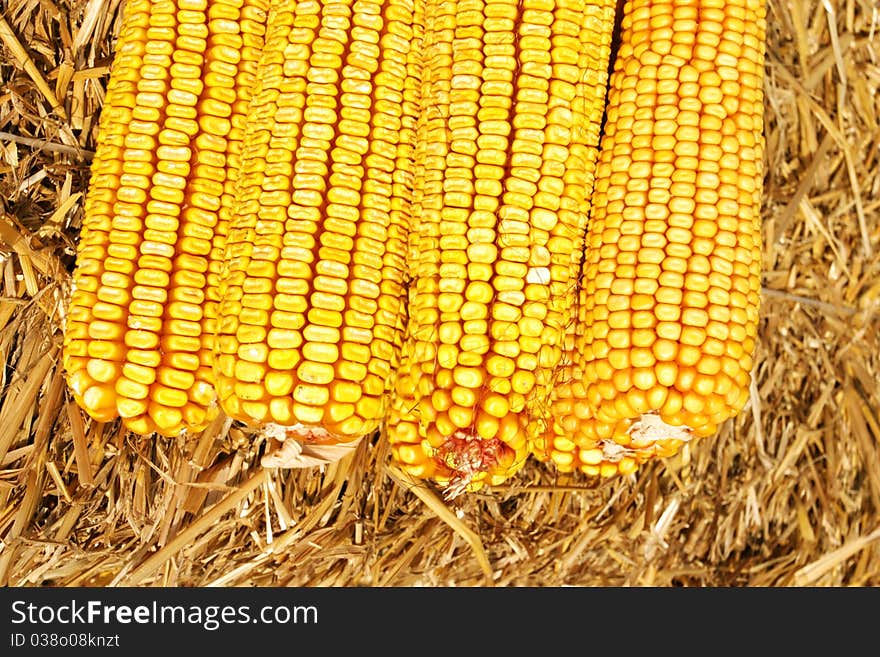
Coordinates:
[671,280]
[310,320]
[139,323]
[513,96]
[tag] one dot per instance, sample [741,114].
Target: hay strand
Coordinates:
[7,36]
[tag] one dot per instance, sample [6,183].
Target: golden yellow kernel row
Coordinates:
[668,309]
[139,323]
[513,97]
[310,327]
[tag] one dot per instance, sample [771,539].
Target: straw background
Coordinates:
[786,494]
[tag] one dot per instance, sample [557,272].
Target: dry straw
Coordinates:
[787,494]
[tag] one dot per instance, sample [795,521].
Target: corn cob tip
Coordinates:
[469,460]
[302,446]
